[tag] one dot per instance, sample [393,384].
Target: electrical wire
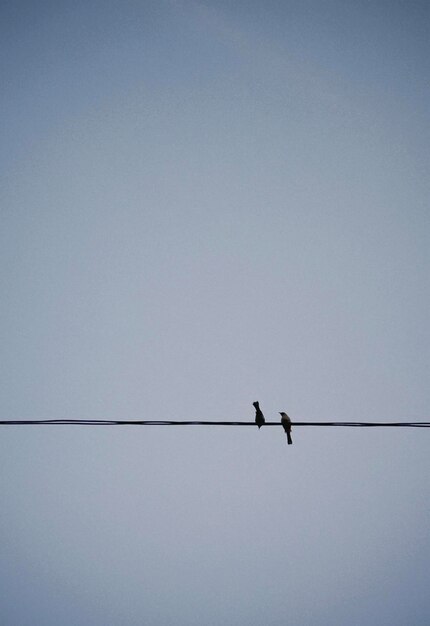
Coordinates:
[81,422]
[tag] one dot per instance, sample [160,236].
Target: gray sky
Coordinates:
[204,204]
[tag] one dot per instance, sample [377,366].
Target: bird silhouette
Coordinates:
[259,417]
[286,423]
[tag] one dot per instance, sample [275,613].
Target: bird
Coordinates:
[286,423]
[259,417]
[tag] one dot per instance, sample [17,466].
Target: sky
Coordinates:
[204,204]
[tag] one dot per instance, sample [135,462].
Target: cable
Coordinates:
[76,422]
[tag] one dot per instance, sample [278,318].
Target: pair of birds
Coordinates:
[285,421]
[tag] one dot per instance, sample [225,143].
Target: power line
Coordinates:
[81,422]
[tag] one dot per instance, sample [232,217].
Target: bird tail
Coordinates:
[289,440]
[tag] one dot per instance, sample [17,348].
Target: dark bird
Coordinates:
[286,423]
[259,417]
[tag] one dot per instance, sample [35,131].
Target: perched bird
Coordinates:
[286,423]
[259,417]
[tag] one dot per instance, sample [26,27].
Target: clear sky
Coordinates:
[203,204]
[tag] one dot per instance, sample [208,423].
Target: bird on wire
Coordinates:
[286,423]
[259,417]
